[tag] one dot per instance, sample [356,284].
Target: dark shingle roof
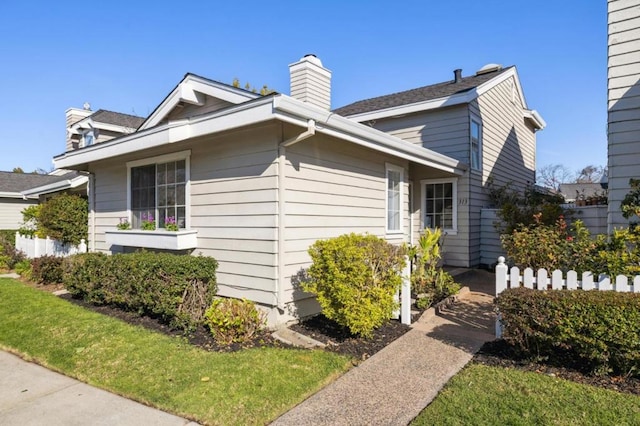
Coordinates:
[116,118]
[17,182]
[434,91]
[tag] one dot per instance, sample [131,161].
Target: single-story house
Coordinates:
[12,195]
[254,180]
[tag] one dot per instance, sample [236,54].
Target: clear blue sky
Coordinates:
[127,56]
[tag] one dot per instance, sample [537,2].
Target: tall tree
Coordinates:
[590,174]
[552,175]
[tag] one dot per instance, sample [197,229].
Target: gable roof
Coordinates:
[12,184]
[191,90]
[438,95]
[425,93]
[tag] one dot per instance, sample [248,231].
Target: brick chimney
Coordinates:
[311,82]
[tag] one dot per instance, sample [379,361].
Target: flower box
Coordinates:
[158,239]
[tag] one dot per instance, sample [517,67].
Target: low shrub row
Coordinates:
[175,289]
[599,328]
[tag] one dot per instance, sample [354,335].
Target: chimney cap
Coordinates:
[310,57]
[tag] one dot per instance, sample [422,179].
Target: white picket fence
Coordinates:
[510,278]
[34,247]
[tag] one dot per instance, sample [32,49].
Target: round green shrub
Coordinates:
[233,320]
[355,278]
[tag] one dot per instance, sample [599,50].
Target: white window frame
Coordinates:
[84,138]
[454,195]
[472,120]
[176,156]
[393,168]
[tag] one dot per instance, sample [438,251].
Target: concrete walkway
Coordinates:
[33,395]
[396,384]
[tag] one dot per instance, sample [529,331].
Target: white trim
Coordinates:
[388,167]
[350,130]
[160,159]
[57,186]
[176,131]
[158,239]
[187,91]
[423,199]
[535,118]
[77,128]
[15,195]
[446,101]
[279,107]
[174,156]
[473,118]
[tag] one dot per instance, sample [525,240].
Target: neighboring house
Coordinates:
[254,180]
[572,192]
[84,128]
[623,103]
[12,199]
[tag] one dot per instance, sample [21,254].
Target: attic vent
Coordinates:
[489,68]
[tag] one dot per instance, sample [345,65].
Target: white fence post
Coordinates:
[501,285]
[405,294]
[501,276]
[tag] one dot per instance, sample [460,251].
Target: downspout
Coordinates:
[92,212]
[282,158]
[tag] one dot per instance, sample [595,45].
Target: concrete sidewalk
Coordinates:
[396,384]
[33,395]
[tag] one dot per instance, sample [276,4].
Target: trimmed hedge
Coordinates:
[174,288]
[600,328]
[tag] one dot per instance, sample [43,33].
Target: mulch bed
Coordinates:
[338,339]
[199,337]
[500,354]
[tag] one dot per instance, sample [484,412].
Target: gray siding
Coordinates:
[623,103]
[508,154]
[233,206]
[444,130]
[11,212]
[188,110]
[334,188]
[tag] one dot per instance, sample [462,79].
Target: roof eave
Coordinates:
[279,107]
[17,195]
[332,124]
[446,101]
[535,118]
[56,186]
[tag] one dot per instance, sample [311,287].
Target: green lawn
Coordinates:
[248,387]
[482,395]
